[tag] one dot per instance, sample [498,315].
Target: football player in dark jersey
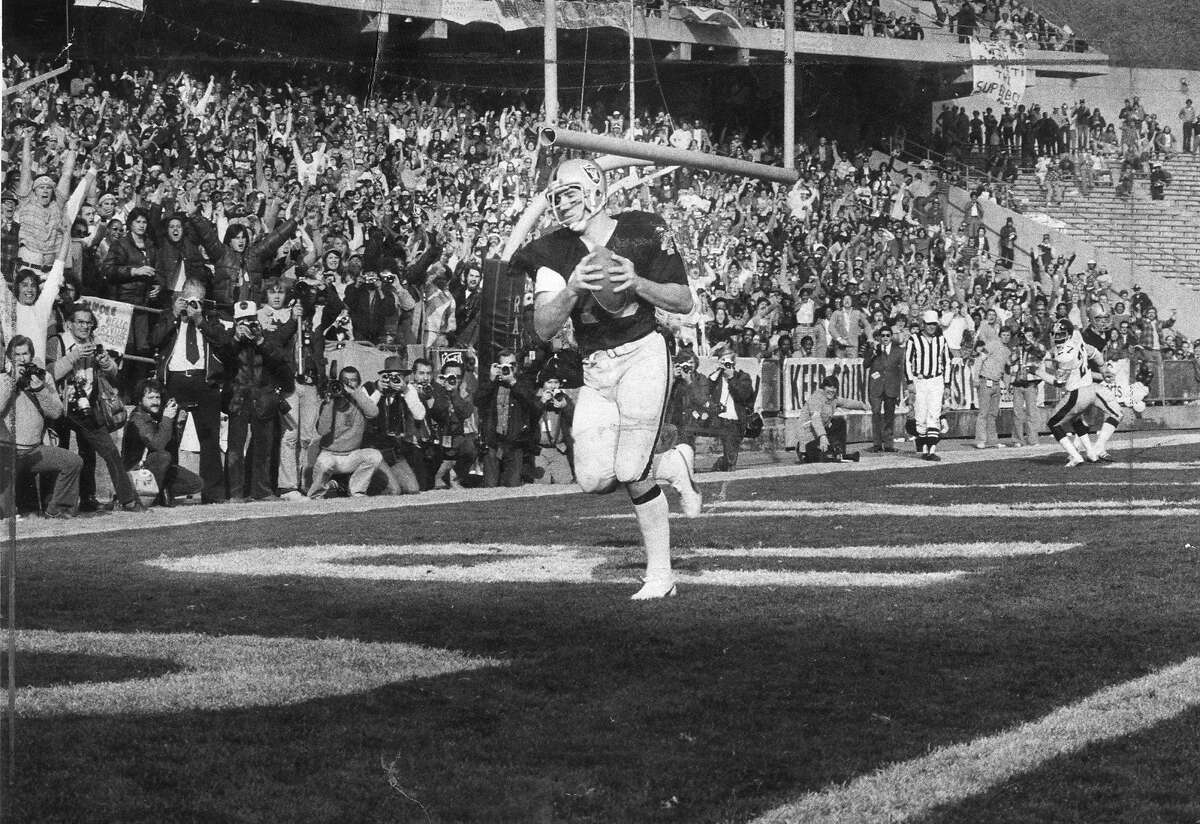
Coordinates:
[608,274]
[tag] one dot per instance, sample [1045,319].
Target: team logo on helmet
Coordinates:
[1062,330]
[574,182]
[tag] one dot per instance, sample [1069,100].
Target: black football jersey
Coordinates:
[641,237]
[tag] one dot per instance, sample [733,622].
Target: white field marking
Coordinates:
[33,528]
[1032,485]
[501,563]
[811,509]
[226,672]
[1152,466]
[972,550]
[952,774]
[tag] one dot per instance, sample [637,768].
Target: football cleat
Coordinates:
[653,588]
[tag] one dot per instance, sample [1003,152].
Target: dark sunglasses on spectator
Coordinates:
[726,364]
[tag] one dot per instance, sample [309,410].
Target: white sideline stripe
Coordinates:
[34,528]
[1032,485]
[806,509]
[952,774]
[972,550]
[226,672]
[512,563]
[1152,466]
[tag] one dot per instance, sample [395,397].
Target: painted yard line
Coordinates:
[227,672]
[513,563]
[952,774]
[802,509]
[1131,504]
[971,550]
[156,518]
[1151,466]
[1031,485]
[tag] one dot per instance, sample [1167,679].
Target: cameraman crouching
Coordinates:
[555,443]
[826,430]
[27,386]
[449,412]
[509,410]
[399,425]
[152,439]
[341,426]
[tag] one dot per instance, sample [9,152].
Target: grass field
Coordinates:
[830,657]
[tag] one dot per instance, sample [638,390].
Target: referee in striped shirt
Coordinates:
[927,366]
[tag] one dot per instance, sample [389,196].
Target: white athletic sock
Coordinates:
[1106,432]
[653,521]
[1069,447]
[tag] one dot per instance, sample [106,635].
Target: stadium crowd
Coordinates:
[1001,20]
[251,223]
[1065,143]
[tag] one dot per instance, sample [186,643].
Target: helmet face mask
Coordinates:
[575,183]
[1062,330]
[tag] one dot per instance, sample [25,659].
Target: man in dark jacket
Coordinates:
[151,439]
[186,343]
[259,375]
[509,411]
[370,308]
[239,261]
[731,393]
[885,379]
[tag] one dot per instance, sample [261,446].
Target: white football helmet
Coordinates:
[576,181]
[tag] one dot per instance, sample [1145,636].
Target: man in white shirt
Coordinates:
[35,302]
[955,323]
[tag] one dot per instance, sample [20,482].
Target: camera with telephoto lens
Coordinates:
[253,328]
[559,397]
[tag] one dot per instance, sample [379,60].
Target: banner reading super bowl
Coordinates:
[996,72]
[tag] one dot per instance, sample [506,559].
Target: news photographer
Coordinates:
[400,425]
[186,341]
[341,426]
[509,409]
[151,441]
[554,459]
[84,373]
[258,375]
[372,307]
[448,416]
[821,430]
[296,316]
[28,386]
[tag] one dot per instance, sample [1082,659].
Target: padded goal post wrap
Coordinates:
[501,303]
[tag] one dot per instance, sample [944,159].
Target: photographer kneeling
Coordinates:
[36,402]
[151,439]
[341,425]
[826,430]
[399,426]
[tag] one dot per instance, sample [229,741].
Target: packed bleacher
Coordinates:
[293,276]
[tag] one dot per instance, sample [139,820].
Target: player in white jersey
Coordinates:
[1068,366]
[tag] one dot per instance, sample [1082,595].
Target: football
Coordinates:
[610,301]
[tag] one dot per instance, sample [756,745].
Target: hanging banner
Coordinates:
[802,377]
[996,71]
[113,320]
[528,14]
